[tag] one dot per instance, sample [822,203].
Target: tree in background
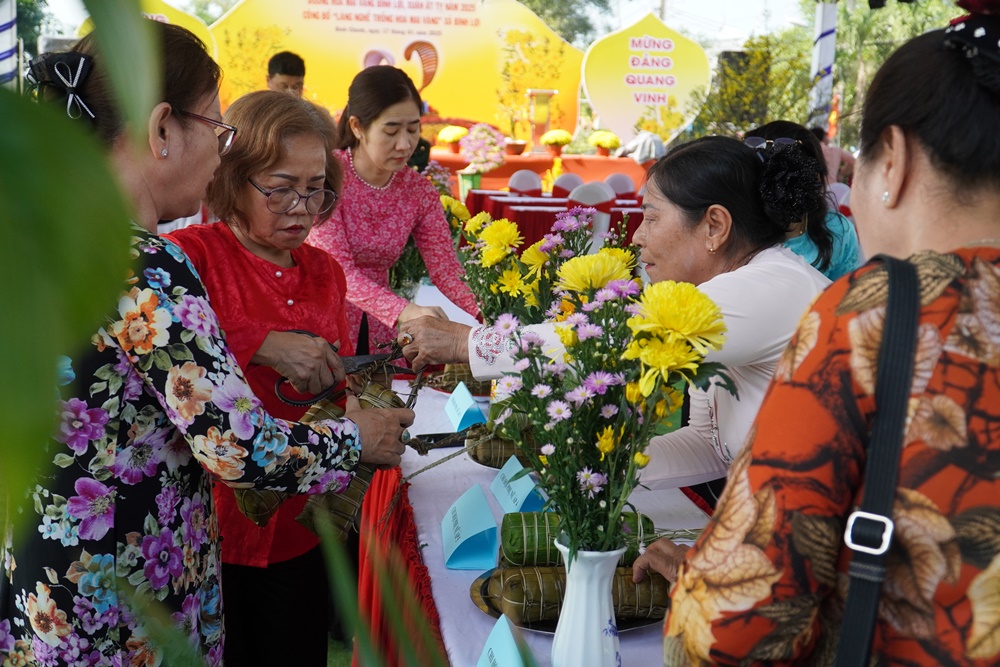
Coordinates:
[865,38]
[768,80]
[33,16]
[570,20]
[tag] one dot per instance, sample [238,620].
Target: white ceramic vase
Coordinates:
[587,633]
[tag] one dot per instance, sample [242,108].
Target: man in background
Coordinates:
[286,73]
[839,163]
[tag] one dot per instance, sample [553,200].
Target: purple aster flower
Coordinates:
[605,294]
[599,381]
[591,306]
[585,331]
[579,396]
[566,222]
[508,385]
[79,425]
[531,339]
[503,416]
[194,527]
[591,483]
[95,506]
[6,639]
[556,368]
[506,324]
[558,411]
[521,365]
[541,390]
[236,398]
[550,242]
[624,288]
[196,314]
[576,319]
[608,411]
[166,505]
[548,449]
[163,559]
[566,253]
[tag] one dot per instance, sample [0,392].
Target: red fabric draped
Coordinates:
[532,192]
[394,547]
[603,207]
[559,191]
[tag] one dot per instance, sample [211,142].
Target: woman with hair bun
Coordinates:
[824,237]
[766,582]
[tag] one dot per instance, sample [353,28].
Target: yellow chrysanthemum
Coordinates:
[606,441]
[641,459]
[501,233]
[531,294]
[632,393]
[492,256]
[680,310]
[476,222]
[660,358]
[511,282]
[458,209]
[625,256]
[592,272]
[534,259]
[567,336]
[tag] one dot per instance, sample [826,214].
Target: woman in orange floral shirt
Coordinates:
[766,582]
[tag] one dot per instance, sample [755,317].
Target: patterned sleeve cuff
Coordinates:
[489,344]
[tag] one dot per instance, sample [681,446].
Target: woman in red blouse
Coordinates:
[270,189]
[384,203]
[765,584]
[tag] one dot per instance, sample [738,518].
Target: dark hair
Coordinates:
[819,133]
[188,72]
[813,201]
[727,172]
[372,91]
[934,95]
[286,63]
[267,119]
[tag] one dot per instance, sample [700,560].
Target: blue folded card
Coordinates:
[504,646]
[469,533]
[516,495]
[462,409]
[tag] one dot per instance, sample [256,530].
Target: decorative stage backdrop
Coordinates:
[472,60]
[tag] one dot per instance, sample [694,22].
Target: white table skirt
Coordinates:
[463,626]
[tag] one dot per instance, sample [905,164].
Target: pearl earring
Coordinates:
[163,153]
[711,251]
[885,197]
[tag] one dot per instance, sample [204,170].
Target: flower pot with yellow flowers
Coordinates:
[554,140]
[604,141]
[451,135]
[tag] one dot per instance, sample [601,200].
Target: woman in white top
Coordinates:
[705,222]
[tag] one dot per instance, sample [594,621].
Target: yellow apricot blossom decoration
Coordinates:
[592,272]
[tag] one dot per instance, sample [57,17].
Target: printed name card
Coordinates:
[462,409]
[503,646]
[469,533]
[516,495]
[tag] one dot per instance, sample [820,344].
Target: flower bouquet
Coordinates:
[554,140]
[594,411]
[483,147]
[451,135]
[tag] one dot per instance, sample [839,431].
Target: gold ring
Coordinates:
[405,339]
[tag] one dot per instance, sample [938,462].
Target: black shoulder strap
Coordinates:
[869,528]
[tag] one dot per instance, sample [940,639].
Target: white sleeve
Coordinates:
[687,455]
[490,350]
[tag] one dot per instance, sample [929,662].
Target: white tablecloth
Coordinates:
[463,626]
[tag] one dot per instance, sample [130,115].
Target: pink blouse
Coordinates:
[367,234]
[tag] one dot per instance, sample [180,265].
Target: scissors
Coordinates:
[352,365]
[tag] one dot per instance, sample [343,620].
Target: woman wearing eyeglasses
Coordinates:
[270,190]
[153,408]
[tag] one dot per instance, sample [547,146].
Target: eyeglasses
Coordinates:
[760,143]
[224,132]
[283,200]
